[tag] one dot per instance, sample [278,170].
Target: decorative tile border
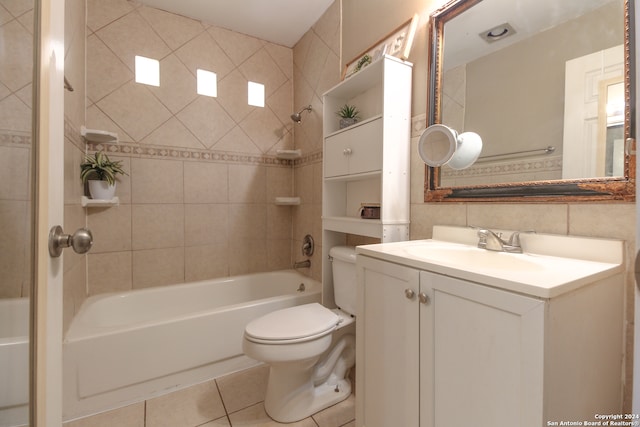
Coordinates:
[22,139]
[418,123]
[546,164]
[175,153]
[308,159]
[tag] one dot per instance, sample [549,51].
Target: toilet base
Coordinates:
[308,400]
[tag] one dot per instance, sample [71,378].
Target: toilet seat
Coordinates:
[292,325]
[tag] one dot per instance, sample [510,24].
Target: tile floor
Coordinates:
[230,401]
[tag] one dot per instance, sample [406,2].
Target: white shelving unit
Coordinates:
[367,163]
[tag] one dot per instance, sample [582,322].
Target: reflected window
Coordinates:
[147,71]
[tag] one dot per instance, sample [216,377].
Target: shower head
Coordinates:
[297,117]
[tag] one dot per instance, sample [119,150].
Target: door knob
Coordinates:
[81,241]
[423,298]
[409,293]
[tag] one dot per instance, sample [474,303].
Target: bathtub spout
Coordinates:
[334,368]
[302,264]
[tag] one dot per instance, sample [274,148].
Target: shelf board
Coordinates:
[289,154]
[354,177]
[287,201]
[353,225]
[99,203]
[357,124]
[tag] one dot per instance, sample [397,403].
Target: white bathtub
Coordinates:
[130,346]
[14,361]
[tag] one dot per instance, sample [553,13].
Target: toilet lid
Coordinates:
[293,323]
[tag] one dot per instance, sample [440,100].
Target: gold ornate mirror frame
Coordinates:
[574,190]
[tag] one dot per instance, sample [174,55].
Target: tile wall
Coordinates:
[316,68]
[203,175]
[16,26]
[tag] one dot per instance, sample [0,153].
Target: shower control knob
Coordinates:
[423,298]
[81,241]
[409,293]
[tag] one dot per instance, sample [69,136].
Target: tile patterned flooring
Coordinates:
[234,400]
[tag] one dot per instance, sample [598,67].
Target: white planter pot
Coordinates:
[101,190]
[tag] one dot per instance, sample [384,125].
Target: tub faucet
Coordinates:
[302,264]
[492,241]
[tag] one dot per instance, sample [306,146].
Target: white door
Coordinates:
[47,406]
[31,151]
[582,95]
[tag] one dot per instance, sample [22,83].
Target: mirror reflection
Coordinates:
[542,83]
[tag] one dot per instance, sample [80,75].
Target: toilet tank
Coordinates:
[343,265]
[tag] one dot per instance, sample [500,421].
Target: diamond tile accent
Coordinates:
[104,12]
[97,119]
[135,110]
[173,134]
[17,45]
[260,68]
[237,141]
[238,47]
[232,95]
[177,85]
[256,122]
[206,119]
[203,52]
[15,115]
[174,29]
[130,36]
[5,16]
[282,56]
[105,71]
[17,7]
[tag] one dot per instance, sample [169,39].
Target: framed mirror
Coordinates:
[548,86]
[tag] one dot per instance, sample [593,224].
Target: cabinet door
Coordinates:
[387,346]
[481,355]
[357,149]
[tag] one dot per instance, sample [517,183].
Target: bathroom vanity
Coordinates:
[452,335]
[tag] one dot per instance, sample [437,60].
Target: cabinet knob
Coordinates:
[409,293]
[347,151]
[423,298]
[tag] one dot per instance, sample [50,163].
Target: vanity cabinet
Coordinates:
[367,163]
[439,351]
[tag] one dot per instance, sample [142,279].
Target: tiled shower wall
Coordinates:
[16,25]
[199,198]
[316,68]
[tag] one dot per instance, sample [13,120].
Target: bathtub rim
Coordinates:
[78,333]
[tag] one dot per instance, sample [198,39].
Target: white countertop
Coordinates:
[551,265]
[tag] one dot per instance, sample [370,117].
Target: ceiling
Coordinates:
[528,17]
[283,22]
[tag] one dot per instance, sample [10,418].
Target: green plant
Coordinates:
[100,167]
[348,112]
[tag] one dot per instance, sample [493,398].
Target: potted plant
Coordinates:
[348,115]
[101,173]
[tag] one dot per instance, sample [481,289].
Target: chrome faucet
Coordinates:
[302,264]
[493,241]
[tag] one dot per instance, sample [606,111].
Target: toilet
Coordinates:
[309,348]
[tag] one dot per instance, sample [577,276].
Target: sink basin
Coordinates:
[550,266]
[476,258]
